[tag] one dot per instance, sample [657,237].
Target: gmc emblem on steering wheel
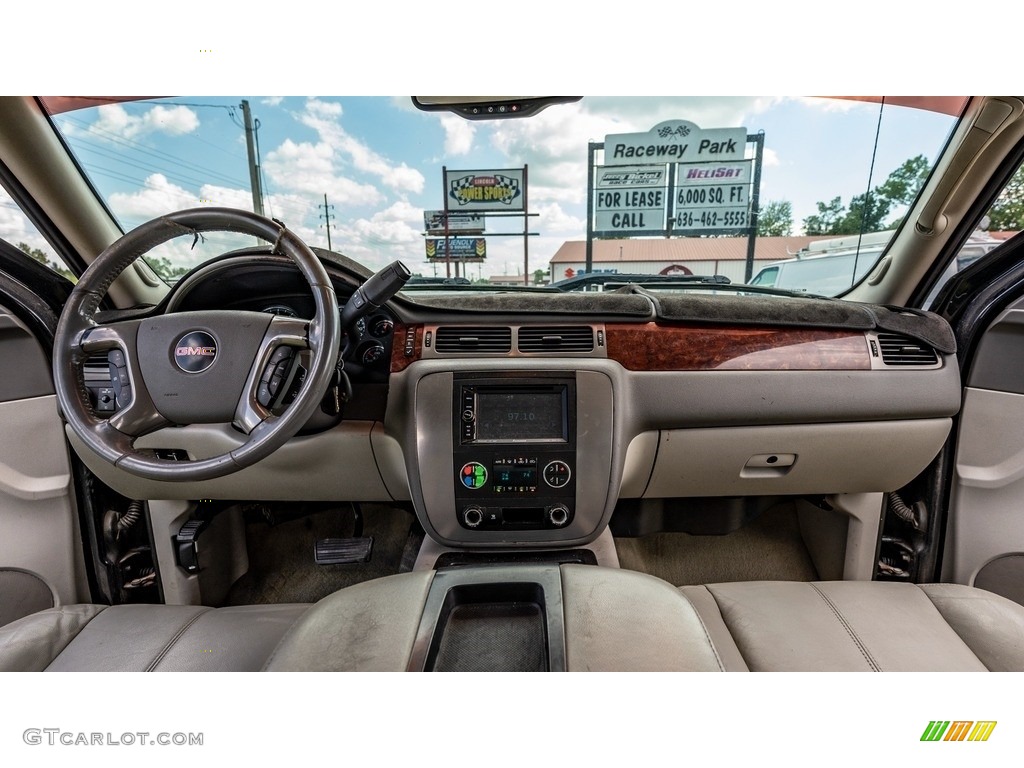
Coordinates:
[195,351]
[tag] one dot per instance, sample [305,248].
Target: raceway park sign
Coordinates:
[500,190]
[675,141]
[676,177]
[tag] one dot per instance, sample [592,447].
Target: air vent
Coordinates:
[577,338]
[473,339]
[902,350]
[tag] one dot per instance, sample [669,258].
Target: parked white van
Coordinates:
[833,266]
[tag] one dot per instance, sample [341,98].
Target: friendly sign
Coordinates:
[457,248]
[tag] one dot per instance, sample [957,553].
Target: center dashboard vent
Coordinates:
[576,338]
[902,350]
[473,339]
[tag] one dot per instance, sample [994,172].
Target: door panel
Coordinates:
[38,517]
[985,533]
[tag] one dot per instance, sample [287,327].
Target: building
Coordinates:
[681,255]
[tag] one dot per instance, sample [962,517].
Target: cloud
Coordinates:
[324,118]
[115,120]
[312,169]
[272,101]
[157,197]
[554,219]
[458,133]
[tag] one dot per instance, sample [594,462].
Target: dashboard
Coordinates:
[525,419]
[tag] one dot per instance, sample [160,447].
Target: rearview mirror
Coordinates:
[490,107]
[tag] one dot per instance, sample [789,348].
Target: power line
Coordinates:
[327,216]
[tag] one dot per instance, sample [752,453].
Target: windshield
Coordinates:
[742,188]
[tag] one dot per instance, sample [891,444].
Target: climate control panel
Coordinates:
[498,491]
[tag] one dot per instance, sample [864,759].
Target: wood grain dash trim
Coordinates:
[658,347]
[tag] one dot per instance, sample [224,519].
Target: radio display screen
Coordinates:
[521,416]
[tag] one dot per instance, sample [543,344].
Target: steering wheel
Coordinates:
[193,367]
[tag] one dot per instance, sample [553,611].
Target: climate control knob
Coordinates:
[558,515]
[472,517]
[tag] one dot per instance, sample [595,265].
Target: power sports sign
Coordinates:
[676,178]
[485,191]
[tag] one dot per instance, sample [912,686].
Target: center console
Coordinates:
[515,451]
[511,457]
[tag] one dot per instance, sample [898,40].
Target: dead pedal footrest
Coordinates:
[343,551]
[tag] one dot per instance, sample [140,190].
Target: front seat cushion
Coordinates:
[146,638]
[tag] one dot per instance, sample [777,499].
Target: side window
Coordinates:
[766,277]
[1003,220]
[17,230]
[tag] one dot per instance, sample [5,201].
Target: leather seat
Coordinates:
[614,620]
[146,638]
[860,626]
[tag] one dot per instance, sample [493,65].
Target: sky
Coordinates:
[380,162]
[380,179]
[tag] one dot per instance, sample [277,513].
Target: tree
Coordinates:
[828,216]
[867,212]
[906,181]
[775,219]
[1007,212]
[43,258]
[163,267]
[538,276]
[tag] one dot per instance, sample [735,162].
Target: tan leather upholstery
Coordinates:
[862,626]
[146,638]
[368,627]
[613,620]
[630,622]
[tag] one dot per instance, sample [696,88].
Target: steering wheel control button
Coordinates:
[195,351]
[116,358]
[473,475]
[557,473]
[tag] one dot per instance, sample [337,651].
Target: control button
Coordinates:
[467,415]
[558,515]
[473,475]
[557,473]
[472,517]
[116,358]
[264,395]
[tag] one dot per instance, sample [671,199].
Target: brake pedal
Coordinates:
[343,551]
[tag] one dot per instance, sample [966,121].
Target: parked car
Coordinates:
[833,266]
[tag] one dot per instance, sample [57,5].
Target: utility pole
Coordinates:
[326,216]
[254,168]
